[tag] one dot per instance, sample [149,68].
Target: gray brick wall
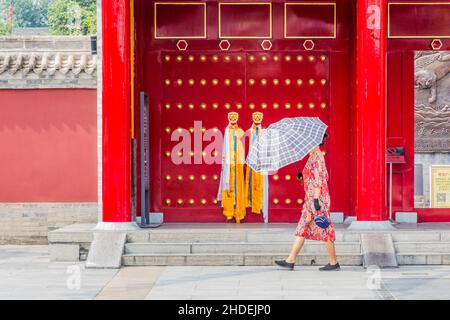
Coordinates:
[29,223]
[31,62]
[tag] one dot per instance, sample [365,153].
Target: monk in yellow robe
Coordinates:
[256,184]
[231,189]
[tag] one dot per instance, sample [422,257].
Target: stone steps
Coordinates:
[231,247]
[263,259]
[422,247]
[310,247]
[420,236]
[266,259]
[249,244]
[239,246]
[284,234]
[414,258]
[168,236]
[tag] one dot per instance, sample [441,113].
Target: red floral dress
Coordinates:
[315,175]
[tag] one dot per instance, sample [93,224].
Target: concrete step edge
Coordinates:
[422,242]
[232,260]
[227,254]
[314,243]
[233,248]
[422,253]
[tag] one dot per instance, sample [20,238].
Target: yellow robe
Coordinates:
[233,200]
[254,190]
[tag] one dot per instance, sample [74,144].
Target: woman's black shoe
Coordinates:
[330,267]
[284,264]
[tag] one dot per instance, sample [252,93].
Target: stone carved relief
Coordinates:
[432,101]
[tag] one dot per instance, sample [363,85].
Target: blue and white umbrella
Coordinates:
[284,142]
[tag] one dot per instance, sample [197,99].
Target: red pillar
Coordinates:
[11,12]
[371,110]
[116,97]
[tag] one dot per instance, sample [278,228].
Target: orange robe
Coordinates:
[254,181]
[232,193]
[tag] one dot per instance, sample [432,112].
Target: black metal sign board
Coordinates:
[395,155]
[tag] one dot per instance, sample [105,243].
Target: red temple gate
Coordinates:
[255,57]
[354,36]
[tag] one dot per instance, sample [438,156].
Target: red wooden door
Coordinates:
[194,85]
[287,84]
[199,90]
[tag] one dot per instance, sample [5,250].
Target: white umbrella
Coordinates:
[284,142]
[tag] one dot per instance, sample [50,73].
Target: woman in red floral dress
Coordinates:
[317,201]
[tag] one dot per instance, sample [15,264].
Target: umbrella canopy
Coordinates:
[285,142]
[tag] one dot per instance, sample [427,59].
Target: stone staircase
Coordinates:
[422,247]
[260,246]
[248,244]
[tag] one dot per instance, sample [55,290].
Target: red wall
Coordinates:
[400,109]
[48,145]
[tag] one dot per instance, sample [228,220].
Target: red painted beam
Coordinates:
[371,110]
[116,111]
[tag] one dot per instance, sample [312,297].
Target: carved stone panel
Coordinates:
[432,101]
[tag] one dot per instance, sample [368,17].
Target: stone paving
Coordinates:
[27,273]
[305,283]
[260,283]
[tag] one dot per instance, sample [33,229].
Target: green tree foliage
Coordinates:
[5,28]
[89,15]
[30,13]
[63,17]
[4,10]
[72,17]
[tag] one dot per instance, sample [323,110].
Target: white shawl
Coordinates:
[226,165]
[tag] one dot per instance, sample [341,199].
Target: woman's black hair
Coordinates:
[325,137]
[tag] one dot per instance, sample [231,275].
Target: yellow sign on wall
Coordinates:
[440,186]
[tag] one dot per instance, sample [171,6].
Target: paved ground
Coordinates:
[304,283]
[26,273]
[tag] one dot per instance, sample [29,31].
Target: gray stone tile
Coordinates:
[168,297]
[215,286]
[217,292]
[303,297]
[27,273]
